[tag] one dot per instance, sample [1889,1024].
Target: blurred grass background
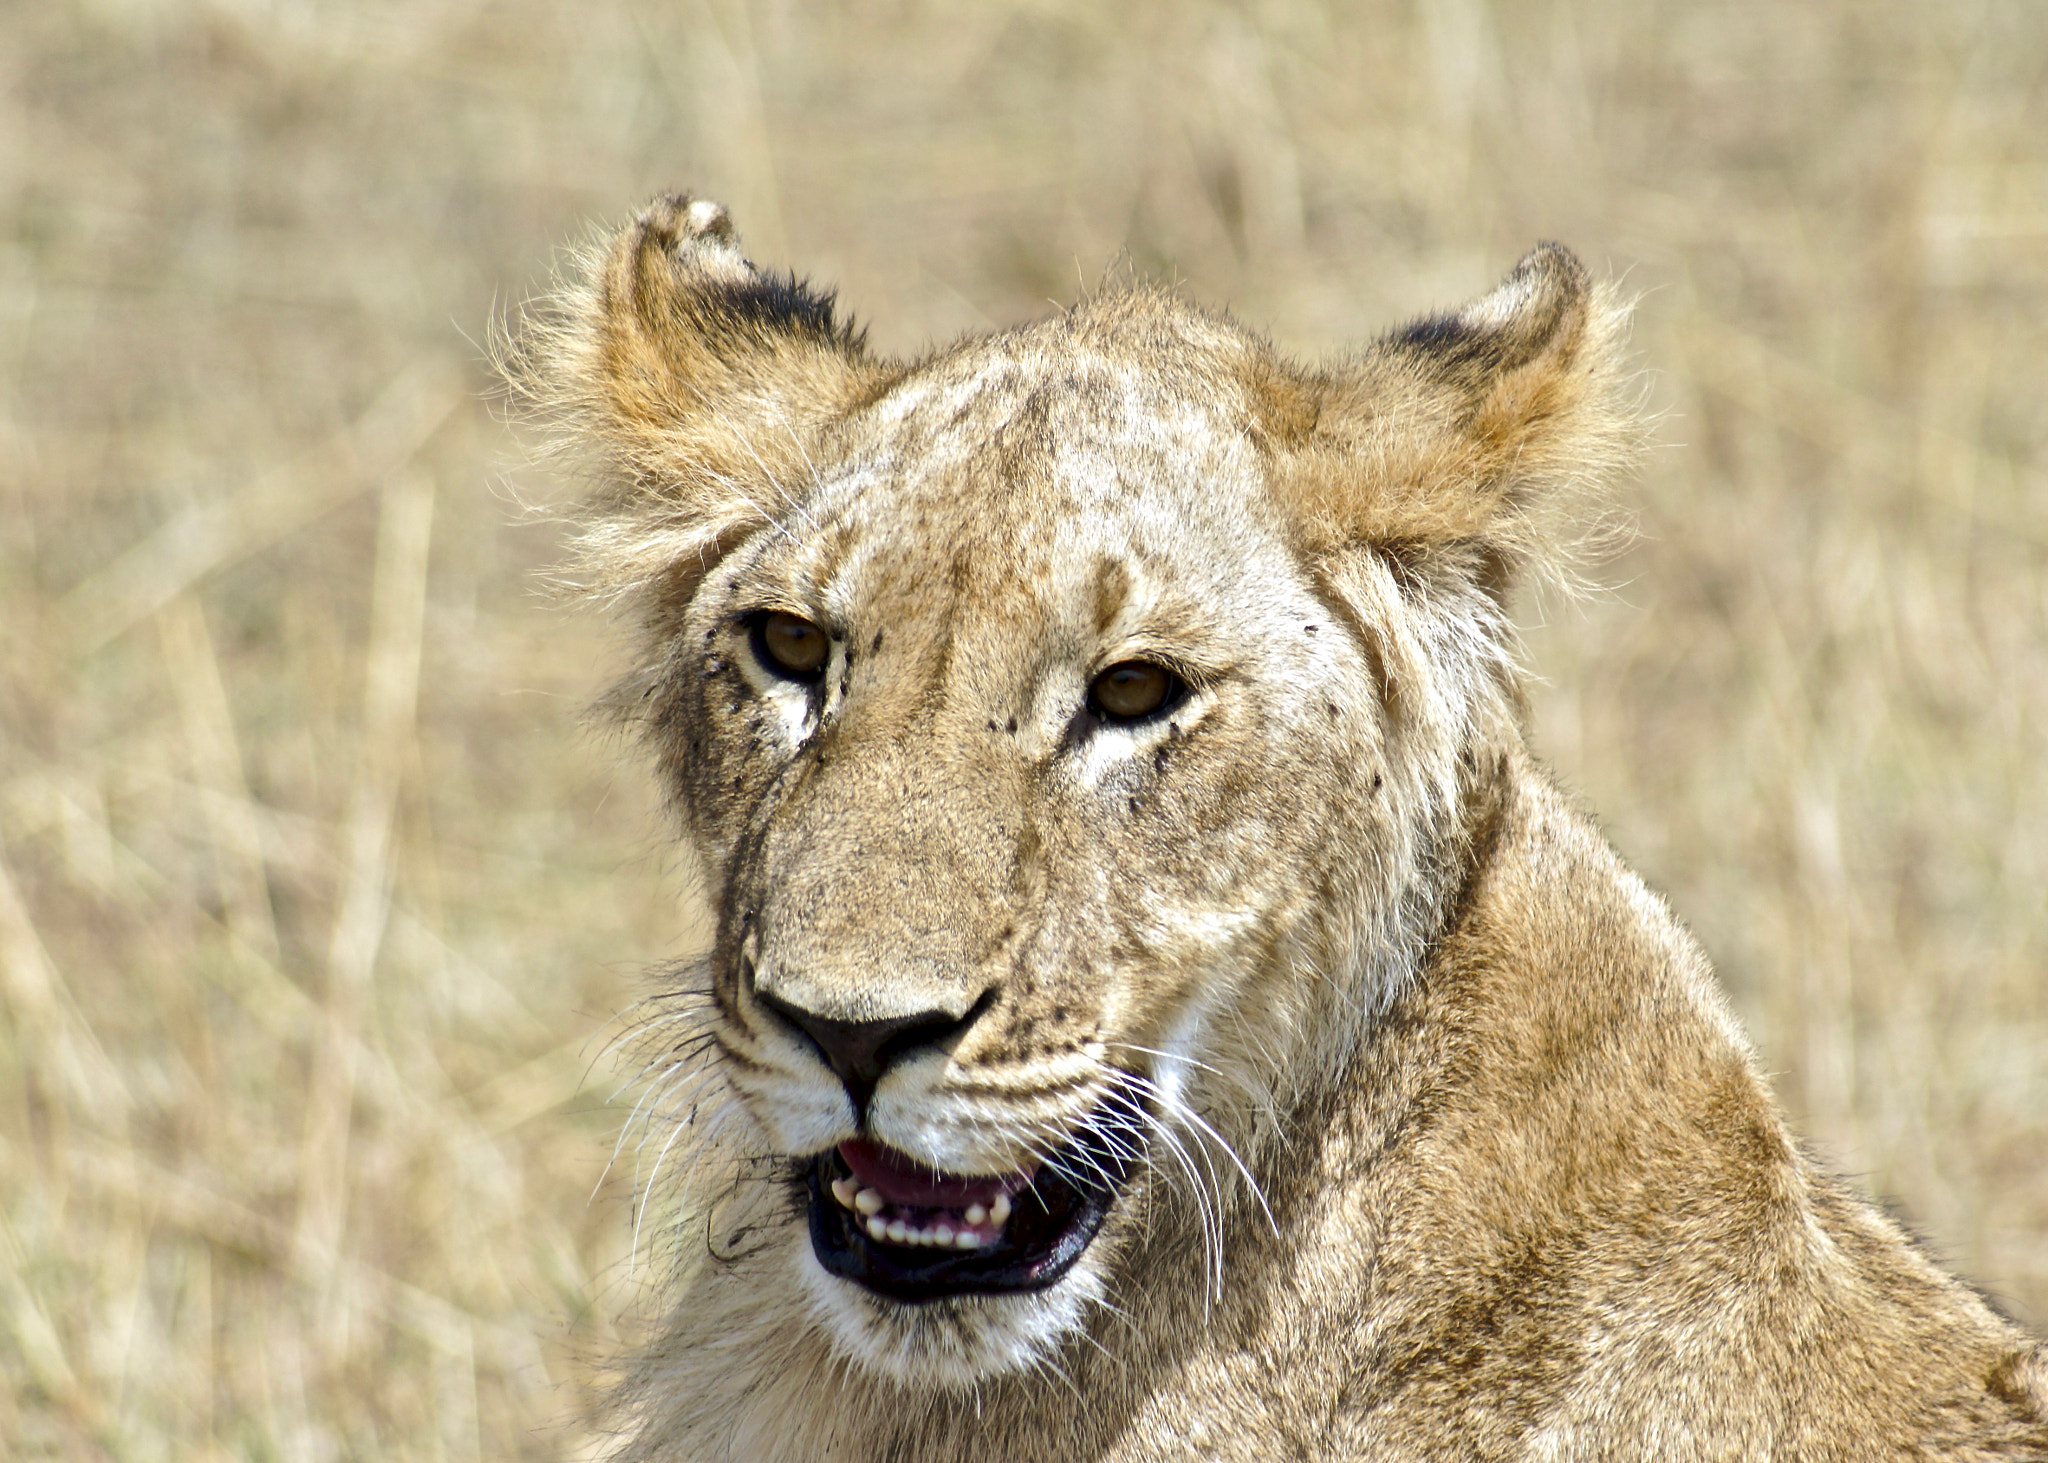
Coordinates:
[315,897]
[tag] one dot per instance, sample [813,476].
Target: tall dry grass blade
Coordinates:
[176,1202]
[216,753]
[51,1036]
[390,703]
[35,1337]
[1882,445]
[211,536]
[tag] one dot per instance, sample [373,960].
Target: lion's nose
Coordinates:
[861,1051]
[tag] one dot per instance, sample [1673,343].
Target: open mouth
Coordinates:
[892,1224]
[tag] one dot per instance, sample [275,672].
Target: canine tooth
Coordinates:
[976,1215]
[867,1201]
[898,1231]
[1000,1210]
[843,1190]
[877,1228]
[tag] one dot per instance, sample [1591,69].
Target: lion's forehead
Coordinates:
[1007,481]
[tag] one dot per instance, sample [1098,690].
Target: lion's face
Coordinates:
[1010,811]
[1075,724]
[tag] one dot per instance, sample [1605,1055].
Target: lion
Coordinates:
[1159,1008]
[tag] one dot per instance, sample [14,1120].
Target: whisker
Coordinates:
[1150,1051]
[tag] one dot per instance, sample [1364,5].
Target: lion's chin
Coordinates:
[952,1342]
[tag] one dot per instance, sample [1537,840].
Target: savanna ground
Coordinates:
[316,897]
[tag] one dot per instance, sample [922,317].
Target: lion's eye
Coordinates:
[790,646]
[1132,690]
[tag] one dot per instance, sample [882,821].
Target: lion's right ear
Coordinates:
[1484,430]
[702,381]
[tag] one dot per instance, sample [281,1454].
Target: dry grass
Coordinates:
[314,900]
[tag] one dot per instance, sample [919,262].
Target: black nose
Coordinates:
[861,1051]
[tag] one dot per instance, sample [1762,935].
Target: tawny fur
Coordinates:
[1455,1151]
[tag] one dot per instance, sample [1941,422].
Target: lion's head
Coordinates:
[1077,725]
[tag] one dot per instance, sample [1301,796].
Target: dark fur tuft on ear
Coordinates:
[1540,306]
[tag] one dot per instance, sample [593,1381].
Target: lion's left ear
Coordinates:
[1483,428]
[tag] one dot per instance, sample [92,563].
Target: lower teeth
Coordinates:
[965,1233]
[942,1237]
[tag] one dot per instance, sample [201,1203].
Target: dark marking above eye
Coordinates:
[876,646]
[1013,726]
[1112,589]
[1311,628]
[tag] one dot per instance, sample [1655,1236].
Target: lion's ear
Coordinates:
[701,380]
[1481,428]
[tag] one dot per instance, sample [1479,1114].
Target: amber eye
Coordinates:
[790,646]
[1132,690]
